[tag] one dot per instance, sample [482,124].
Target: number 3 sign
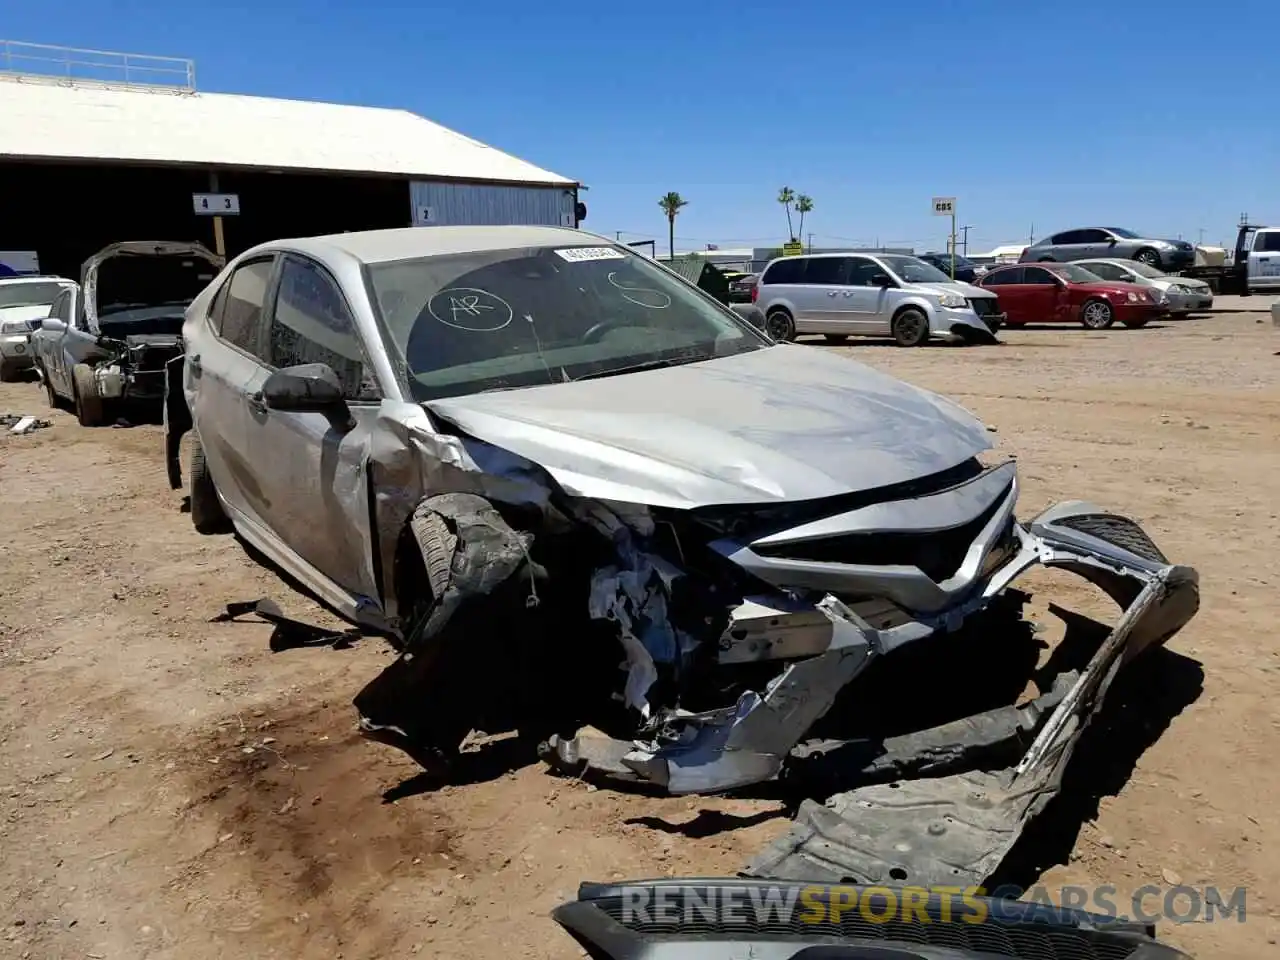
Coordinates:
[216,204]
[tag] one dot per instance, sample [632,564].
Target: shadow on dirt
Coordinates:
[707,823]
[1142,703]
[481,763]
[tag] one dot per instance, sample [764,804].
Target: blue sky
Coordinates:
[1158,117]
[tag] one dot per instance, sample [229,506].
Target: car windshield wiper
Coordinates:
[646,365]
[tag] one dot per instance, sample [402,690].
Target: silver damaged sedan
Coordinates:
[590,504]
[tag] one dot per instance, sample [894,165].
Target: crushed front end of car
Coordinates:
[699,597]
[135,294]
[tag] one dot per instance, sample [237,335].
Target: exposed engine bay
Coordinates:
[135,295]
[704,646]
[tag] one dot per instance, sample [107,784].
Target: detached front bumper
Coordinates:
[948,829]
[965,324]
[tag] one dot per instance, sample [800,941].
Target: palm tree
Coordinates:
[786,197]
[671,204]
[804,204]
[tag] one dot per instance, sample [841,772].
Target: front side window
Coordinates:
[1267,241]
[863,272]
[501,319]
[311,323]
[241,320]
[1037,276]
[914,270]
[1092,236]
[1124,234]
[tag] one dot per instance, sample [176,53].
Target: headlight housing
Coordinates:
[953,300]
[15,326]
[1133,297]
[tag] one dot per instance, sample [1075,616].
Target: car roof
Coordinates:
[404,243]
[1115,261]
[36,278]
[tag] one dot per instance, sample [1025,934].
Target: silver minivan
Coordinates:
[873,295]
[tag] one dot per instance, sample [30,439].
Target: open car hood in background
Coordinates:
[164,279]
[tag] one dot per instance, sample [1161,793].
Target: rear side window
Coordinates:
[1267,242]
[785,271]
[826,270]
[312,324]
[1001,278]
[240,320]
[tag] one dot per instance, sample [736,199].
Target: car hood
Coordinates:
[784,423]
[37,311]
[145,273]
[959,286]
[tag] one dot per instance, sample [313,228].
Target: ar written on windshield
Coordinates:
[519,318]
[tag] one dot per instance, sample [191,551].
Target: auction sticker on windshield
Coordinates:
[580,254]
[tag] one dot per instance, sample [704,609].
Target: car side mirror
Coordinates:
[308,388]
[52,324]
[881,280]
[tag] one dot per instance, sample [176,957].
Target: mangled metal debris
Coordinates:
[20,424]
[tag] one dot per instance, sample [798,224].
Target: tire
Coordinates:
[910,328]
[207,514]
[779,324]
[1097,315]
[89,407]
[1148,256]
[836,337]
[8,373]
[437,544]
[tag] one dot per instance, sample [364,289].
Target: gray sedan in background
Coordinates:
[1092,243]
[1179,294]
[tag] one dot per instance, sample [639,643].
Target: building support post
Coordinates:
[219,241]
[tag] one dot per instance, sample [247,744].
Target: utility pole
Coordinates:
[1031,238]
[617,235]
[811,243]
[964,243]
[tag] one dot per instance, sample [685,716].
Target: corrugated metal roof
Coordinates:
[687,267]
[49,120]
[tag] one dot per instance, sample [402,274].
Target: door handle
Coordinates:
[256,402]
[848,293]
[832,293]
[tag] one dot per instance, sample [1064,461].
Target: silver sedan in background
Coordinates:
[1181,295]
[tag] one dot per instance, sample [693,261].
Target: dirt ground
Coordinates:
[171,788]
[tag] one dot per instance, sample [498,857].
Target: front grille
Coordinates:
[938,553]
[984,306]
[1023,941]
[1121,531]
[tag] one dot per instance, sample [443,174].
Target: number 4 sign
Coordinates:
[216,204]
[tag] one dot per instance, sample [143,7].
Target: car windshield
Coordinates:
[915,270]
[943,260]
[29,294]
[1140,268]
[501,319]
[1075,273]
[1125,234]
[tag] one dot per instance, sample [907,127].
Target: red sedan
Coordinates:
[1066,293]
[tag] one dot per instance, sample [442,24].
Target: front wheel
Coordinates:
[8,372]
[910,328]
[88,404]
[1097,315]
[1149,257]
[779,325]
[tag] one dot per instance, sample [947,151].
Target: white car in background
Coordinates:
[24,304]
[873,295]
[1181,294]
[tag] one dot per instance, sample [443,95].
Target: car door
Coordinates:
[869,305]
[1041,295]
[1095,243]
[820,298]
[47,343]
[1263,268]
[1006,284]
[312,475]
[222,359]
